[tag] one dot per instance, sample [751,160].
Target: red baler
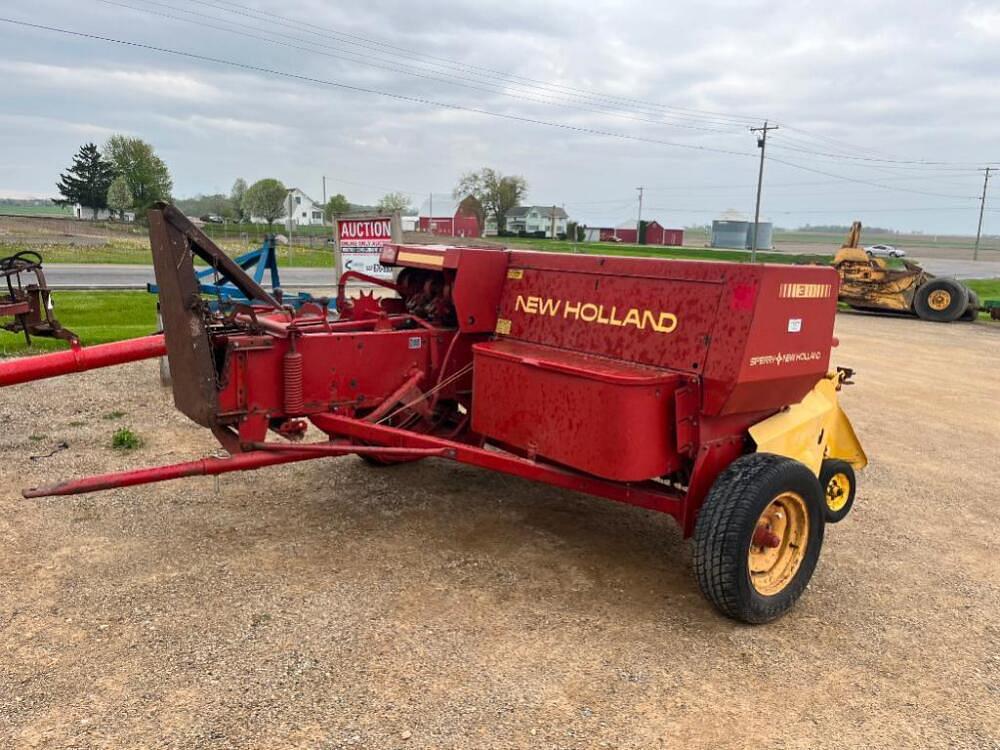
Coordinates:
[699,389]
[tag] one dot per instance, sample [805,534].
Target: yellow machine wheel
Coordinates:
[758,536]
[839,486]
[942,299]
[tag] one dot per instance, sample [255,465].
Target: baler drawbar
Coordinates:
[702,390]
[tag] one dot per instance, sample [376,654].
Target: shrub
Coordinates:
[125,440]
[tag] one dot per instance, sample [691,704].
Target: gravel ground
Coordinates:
[330,604]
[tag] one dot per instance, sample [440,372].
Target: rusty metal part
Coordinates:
[868,283]
[779,543]
[29,304]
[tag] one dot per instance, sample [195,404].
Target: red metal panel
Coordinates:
[603,417]
[780,336]
[603,306]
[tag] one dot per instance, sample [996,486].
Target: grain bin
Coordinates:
[765,235]
[730,230]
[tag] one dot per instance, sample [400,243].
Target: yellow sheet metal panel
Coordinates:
[811,430]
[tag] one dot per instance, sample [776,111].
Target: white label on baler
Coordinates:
[416,342]
[794,325]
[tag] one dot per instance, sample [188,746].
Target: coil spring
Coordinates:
[293,382]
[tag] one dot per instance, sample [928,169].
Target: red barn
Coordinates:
[656,234]
[450,218]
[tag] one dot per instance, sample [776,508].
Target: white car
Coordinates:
[885,251]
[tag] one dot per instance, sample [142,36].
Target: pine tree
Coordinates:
[87,181]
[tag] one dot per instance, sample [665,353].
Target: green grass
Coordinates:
[125,252]
[34,211]
[125,439]
[96,317]
[985,288]
[650,251]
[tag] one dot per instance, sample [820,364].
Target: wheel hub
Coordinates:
[939,299]
[778,545]
[838,489]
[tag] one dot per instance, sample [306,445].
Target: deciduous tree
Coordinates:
[496,193]
[144,172]
[268,199]
[236,196]
[119,196]
[337,205]
[394,202]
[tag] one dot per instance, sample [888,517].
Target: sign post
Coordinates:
[358,242]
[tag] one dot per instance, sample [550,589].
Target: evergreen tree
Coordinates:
[87,181]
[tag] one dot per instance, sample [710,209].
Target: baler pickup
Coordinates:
[702,390]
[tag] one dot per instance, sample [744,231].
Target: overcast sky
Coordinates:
[659,95]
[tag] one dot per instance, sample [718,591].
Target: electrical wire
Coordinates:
[367,90]
[361,60]
[372,44]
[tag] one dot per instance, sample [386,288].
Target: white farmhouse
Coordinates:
[300,209]
[530,219]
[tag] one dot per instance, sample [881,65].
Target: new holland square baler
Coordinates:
[698,389]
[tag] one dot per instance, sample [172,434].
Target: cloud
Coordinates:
[111,81]
[856,79]
[209,126]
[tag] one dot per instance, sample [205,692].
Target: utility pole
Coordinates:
[324,200]
[762,145]
[430,214]
[552,229]
[638,221]
[982,207]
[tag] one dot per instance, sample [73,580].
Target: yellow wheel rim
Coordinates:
[779,544]
[838,489]
[939,299]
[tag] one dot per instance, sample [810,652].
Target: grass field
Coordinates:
[96,317]
[128,252]
[33,211]
[658,251]
[101,317]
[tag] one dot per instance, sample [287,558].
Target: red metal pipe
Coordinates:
[201,467]
[651,495]
[343,449]
[80,359]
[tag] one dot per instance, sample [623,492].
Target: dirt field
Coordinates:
[333,605]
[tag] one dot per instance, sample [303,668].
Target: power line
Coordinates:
[895,188]
[359,59]
[946,165]
[368,43]
[377,92]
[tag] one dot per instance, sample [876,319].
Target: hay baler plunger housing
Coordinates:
[697,389]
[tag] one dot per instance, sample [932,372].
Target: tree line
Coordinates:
[128,175]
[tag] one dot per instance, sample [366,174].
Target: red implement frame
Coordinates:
[629,379]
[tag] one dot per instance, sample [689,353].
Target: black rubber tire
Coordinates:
[725,528]
[954,310]
[972,311]
[830,468]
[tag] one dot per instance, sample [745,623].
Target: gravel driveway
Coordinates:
[334,605]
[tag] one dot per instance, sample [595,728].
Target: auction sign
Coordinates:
[359,241]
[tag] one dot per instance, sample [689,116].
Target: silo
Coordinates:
[765,235]
[730,233]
